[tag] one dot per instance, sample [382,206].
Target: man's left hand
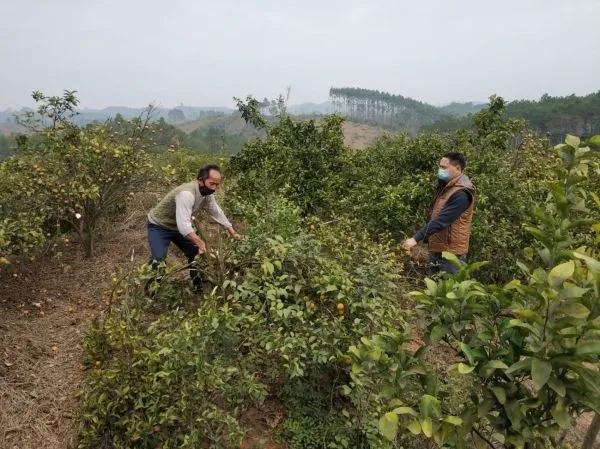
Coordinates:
[408,244]
[234,235]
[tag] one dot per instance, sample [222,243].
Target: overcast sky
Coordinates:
[202,53]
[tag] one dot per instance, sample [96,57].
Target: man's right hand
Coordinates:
[201,246]
[197,241]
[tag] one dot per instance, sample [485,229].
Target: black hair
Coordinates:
[456,159]
[204,172]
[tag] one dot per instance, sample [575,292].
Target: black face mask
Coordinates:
[205,191]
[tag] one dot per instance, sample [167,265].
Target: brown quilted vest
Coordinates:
[455,238]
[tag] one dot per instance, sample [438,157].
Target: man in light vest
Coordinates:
[450,216]
[171,219]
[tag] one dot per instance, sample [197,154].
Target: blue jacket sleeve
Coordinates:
[454,207]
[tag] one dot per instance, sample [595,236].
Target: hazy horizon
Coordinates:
[200,53]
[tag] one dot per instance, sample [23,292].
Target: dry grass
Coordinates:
[46,310]
[360,135]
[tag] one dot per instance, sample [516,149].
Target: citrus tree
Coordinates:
[529,349]
[65,178]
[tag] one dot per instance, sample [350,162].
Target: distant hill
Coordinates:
[311,108]
[86,116]
[462,109]
[231,123]
[553,116]
[224,133]
[550,115]
[557,116]
[188,112]
[8,128]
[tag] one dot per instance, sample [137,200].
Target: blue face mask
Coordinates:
[443,175]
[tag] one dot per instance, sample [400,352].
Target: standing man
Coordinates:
[171,219]
[449,225]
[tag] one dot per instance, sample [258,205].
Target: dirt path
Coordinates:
[45,310]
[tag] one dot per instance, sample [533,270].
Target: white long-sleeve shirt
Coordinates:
[176,209]
[186,205]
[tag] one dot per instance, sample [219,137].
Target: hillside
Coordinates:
[557,116]
[360,135]
[462,109]
[551,116]
[227,123]
[232,127]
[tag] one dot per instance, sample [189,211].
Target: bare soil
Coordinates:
[45,310]
[360,135]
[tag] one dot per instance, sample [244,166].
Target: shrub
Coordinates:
[529,349]
[286,303]
[388,187]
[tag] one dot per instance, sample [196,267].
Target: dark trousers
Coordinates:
[437,263]
[160,238]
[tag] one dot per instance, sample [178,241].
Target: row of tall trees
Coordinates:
[383,108]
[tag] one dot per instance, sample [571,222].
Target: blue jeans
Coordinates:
[437,263]
[160,238]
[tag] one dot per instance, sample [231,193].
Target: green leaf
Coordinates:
[388,425]
[451,257]
[268,267]
[414,426]
[572,291]
[588,348]
[484,407]
[405,411]
[572,141]
[519,323]
[454,420]
[468,352]
[588,376]
[528,314]
[431,286]
[592,264]
[524,268]
[514,284]
[500,394]
[557,386]
[561,273]
[463,368]
[488,368]
[437,332]
[540,372]
[430,406]
[594,141]
[427,427]
[576,310]
[516,440]
[514,413]
[560,414]
[521,365]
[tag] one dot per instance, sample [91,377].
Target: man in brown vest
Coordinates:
[449,225]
